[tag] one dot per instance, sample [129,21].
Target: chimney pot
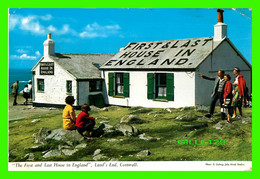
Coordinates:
[220,15]
[49,35]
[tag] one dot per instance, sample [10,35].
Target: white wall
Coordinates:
[54,85]
[225,58]
[184,90]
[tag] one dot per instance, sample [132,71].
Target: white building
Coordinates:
[165,73]
[155,74]
[57,75]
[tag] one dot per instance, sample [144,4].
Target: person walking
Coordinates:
[239,92]
[15,88]
[26,94]
[217,93]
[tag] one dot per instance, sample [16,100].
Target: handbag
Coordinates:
[227,103]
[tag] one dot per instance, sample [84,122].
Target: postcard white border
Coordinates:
[132,166]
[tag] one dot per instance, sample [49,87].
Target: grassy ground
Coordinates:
[158,123]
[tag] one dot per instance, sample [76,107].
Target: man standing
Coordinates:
[240,92]
[15,88]
[217,93]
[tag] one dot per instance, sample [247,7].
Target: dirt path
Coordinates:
[21,111]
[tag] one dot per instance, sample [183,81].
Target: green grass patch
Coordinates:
[161,124]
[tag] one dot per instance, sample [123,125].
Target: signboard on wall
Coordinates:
[171,54]
[47,68]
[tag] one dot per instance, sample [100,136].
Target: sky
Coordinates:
[108,30]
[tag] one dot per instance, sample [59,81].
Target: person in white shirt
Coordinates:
[30,88]
[26,93]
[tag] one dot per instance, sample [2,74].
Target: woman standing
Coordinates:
[228,97]
[69,117]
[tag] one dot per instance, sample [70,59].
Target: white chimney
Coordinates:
[220,29]
[49,46]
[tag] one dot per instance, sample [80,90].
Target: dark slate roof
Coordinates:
[82,65]
[169,54]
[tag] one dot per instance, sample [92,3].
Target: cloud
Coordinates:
[25,56]
[28,23]
[244,12]
[41,25]
[96,30]
[21,51]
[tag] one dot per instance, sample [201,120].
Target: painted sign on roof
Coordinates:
[173,54]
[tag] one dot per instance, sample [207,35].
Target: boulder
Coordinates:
[154,113]
[105,130]
[223,125]
[52,153]
[169,110]
[71,137]
[100,157]
[102,118]
[69,152]
[201,108]
[141,111]
[35,120]
[104,109]
[61,147]
[29,157]
[131,119]
[94,108]
[144,137]
[208,120]
[81,146]
[114,159]
[97,156]
[197,125]
[247,120]
[97,151]
[185,108]
[187,117]
[34,148]
[112,140]
[127,130]
[143,153]
[39,137]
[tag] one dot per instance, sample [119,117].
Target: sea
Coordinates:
[22,75]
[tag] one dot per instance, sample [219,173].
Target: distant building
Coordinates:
[165,73]
[57,75]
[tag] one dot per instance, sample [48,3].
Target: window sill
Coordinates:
[68,93]
[118,97]
[161,100]
[40,91]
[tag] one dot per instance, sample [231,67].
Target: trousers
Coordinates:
[217,96]
[88,126]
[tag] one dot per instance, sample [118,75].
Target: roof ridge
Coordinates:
[86,53]
[174,39]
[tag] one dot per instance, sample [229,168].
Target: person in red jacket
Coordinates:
[228,97]
[84,122]
[240,94]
